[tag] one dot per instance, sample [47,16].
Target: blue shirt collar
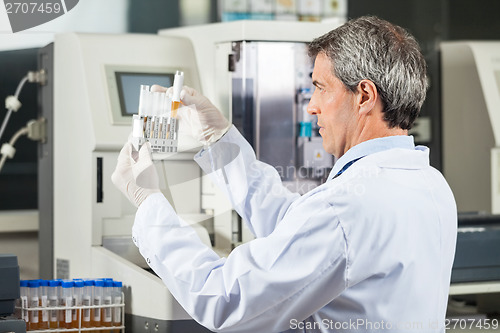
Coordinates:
[371,147]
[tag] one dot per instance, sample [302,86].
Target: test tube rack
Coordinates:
[160,132]
[157,121]
[113,328]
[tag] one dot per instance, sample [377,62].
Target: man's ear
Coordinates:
[367,96]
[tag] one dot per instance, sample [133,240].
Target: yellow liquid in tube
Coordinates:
[86,314]
[67,317]
[53,302]
[76,323]
[175,107]
[34,301]
[177,87]
[42,324]
[96,317]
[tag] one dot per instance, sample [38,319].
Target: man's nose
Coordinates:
[312,107]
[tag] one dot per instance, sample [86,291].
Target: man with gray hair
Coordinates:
[371,249]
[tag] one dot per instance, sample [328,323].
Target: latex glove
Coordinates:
[206,123]
[135,174]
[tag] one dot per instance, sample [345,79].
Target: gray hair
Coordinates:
[386,54]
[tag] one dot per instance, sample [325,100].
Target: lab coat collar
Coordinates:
[370,147]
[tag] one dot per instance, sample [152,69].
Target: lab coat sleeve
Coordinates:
[253,187]
[264,285]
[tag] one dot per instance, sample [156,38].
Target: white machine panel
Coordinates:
[89,133]
[471,123]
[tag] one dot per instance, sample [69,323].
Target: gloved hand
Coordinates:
[205,121]
[135,174]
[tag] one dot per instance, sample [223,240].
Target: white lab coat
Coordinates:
[370,250]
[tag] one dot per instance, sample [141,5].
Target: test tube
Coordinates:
[117,299]
[148,114]
[88,286]
[106,315]
[61,302]
[143,107]
[67,296]
[161,113]
[175,128]
[164,116]
[137,127]
[169,128]
[176,96]
[97,301]
[143,94]
[53,302]
[160,127]
[33,303]
[43,303]
[77,302]
[24,302]
[155,98]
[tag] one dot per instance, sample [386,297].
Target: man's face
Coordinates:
[335,107]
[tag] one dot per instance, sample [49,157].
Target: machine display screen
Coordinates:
[129,83]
